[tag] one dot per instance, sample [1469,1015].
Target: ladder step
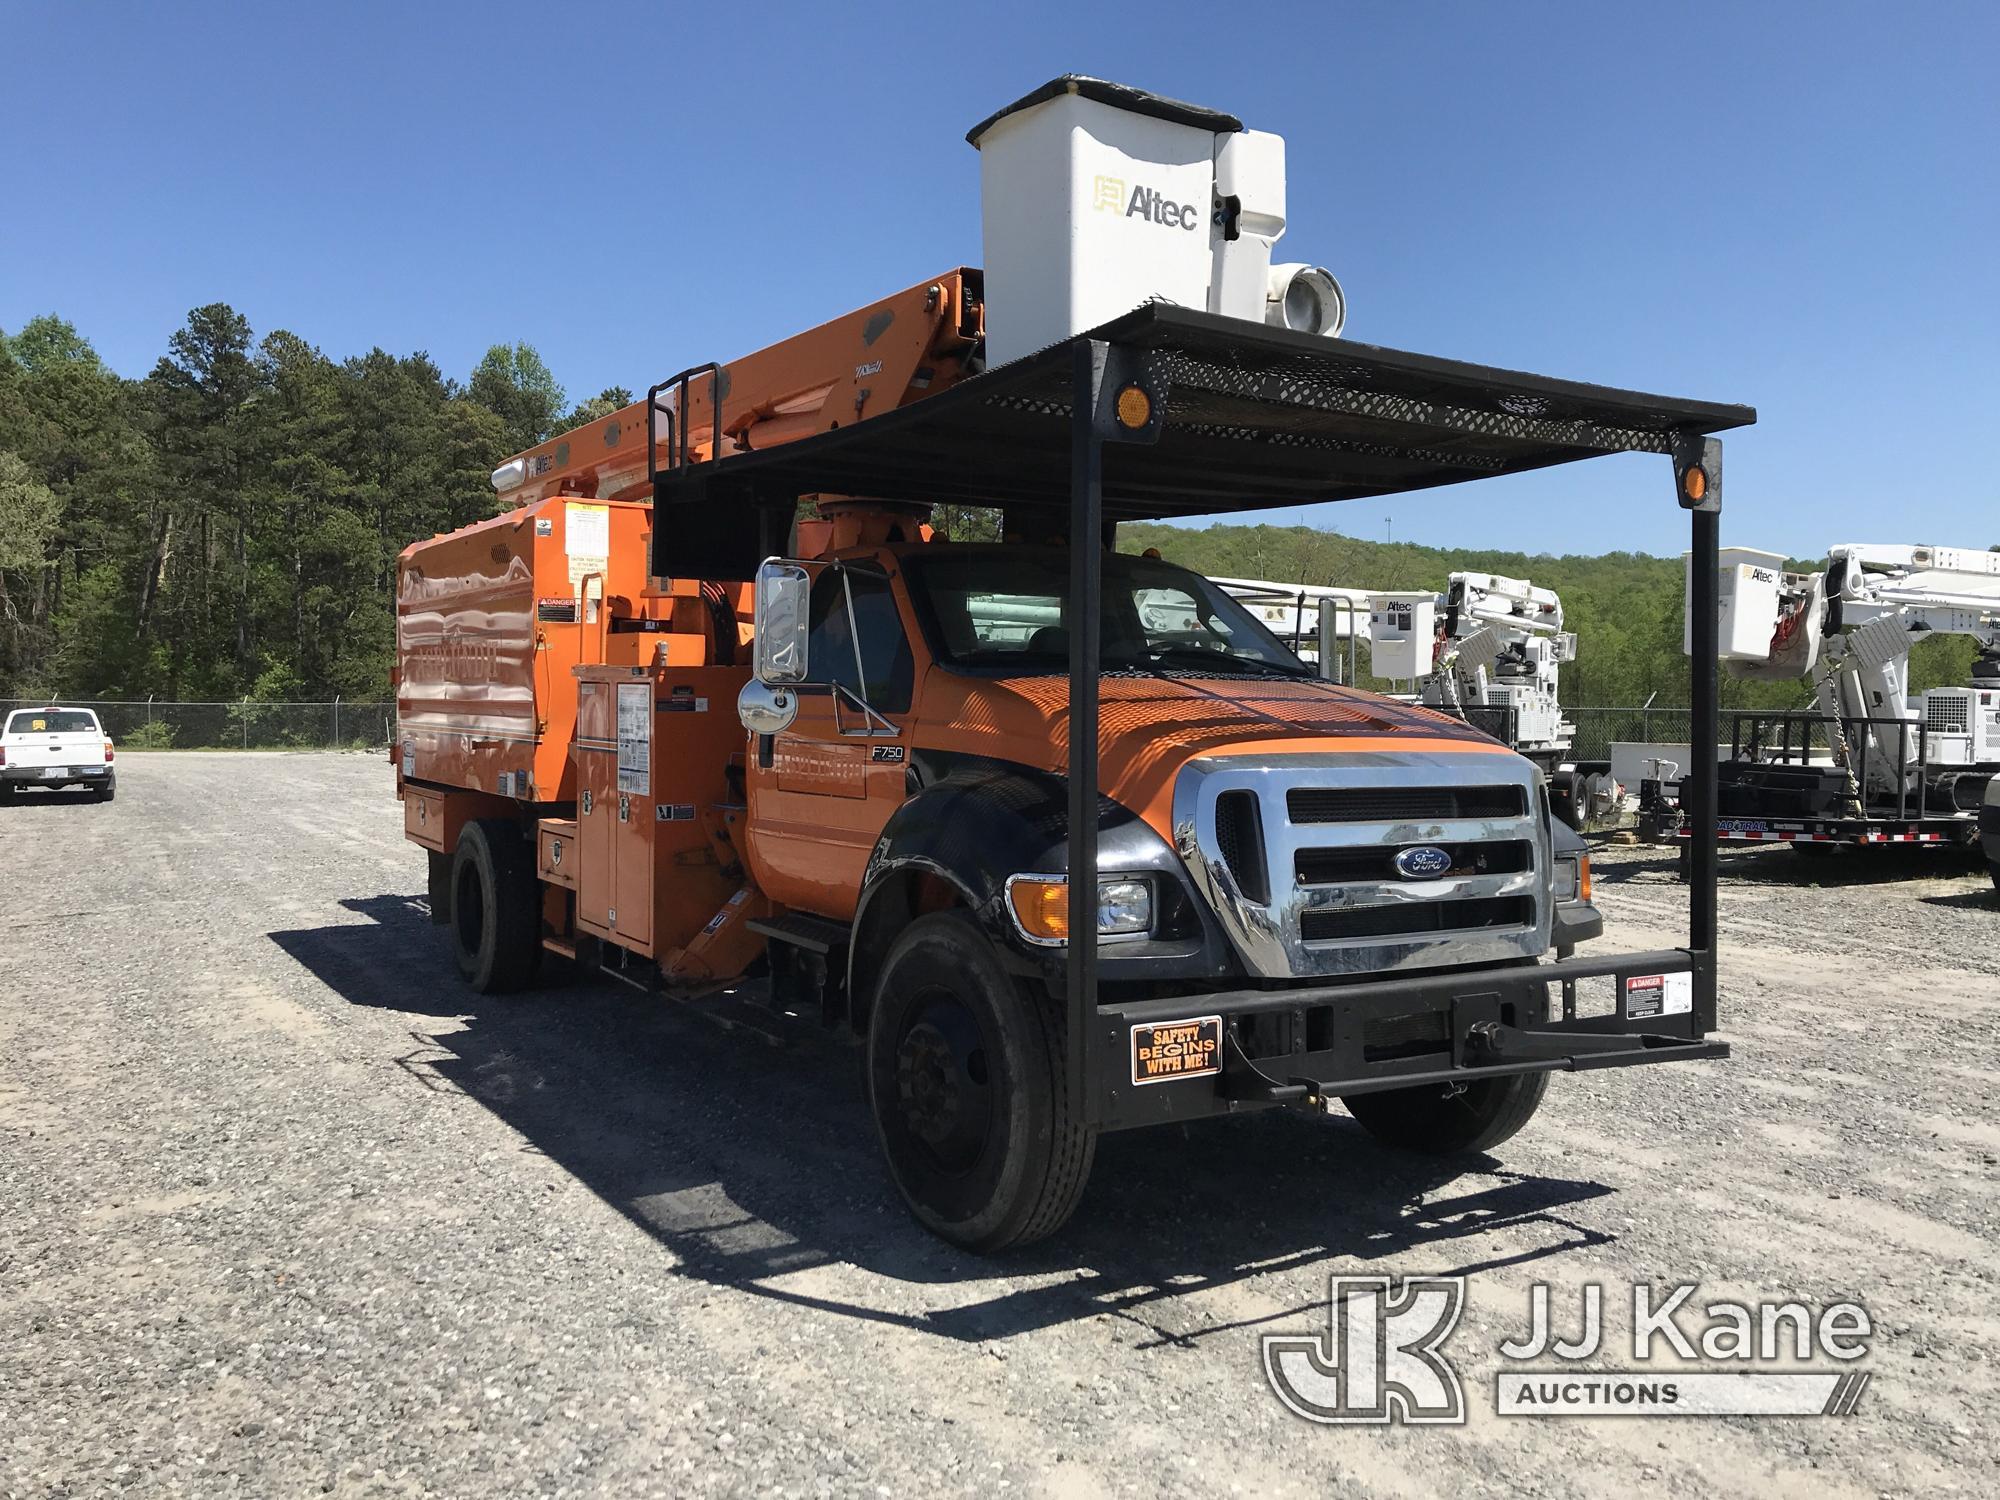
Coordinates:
[814,934]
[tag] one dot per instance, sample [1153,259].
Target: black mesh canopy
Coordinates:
[1254,417]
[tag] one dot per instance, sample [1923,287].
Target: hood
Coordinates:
[1151,726]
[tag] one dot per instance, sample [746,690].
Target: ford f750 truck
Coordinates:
[1062,836]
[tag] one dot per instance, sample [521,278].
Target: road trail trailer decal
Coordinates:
[1177,1049]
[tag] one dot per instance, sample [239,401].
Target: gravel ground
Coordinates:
[286,1210]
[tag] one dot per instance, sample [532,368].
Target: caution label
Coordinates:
[1659,995]
[1177,1049]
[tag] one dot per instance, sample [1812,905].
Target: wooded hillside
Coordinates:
[228,525]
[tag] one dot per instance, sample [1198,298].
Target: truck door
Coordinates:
[835,776]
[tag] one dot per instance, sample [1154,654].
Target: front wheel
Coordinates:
[967,1083]
[1456,1122]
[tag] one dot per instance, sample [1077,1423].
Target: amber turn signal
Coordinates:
[1041,907]
[1694,483]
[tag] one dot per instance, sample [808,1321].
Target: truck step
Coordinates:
[814,934]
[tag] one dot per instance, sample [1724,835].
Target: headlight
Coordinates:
[1573,878]
[1039,905]
[1124,906]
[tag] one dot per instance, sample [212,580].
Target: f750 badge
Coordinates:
[1177,1049]
[887,754]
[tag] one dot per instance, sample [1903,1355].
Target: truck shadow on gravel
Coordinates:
[752,1162]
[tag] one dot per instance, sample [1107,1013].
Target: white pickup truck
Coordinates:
[56,747]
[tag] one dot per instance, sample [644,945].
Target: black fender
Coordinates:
[972,823]
[1574,921]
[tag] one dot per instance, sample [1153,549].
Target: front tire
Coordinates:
[970,1092]
[495,917]
[1434,1122]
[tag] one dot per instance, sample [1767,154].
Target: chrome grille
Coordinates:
[1297,856]
[1376,804]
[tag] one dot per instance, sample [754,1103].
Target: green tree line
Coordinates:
[228,525]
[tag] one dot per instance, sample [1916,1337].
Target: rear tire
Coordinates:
[439,886]
[968,1084]
[496,927]
[105,792]
[1993,869]
[1572,805]
[1436,1123]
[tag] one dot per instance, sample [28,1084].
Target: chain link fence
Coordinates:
[1598,729]
[243,725]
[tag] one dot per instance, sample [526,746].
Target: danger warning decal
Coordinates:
[1177,1049]
[1659,995]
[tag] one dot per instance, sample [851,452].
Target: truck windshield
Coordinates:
[51,721]
[1006,608]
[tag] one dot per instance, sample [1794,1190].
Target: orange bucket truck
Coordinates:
[1062,837]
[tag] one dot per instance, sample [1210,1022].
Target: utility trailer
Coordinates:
[1872,763]
[1134,866]
[1788,781]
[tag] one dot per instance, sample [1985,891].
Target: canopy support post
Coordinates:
[1698,485]
[1085,617]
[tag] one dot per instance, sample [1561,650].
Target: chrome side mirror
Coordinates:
[765,709]
[783,589]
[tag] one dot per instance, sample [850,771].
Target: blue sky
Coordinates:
[1795,206]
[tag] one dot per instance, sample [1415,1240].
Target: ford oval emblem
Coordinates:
[1423,862]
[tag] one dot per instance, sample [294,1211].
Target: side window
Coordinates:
[886,662]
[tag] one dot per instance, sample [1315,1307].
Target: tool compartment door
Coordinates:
[631,822]
[596,804]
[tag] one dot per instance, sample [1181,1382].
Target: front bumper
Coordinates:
[1302,1047]
[1576,922]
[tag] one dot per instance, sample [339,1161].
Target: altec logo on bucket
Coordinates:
[1108,195]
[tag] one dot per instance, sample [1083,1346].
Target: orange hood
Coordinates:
[1149,727]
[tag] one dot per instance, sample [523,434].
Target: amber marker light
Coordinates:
[1135,408]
